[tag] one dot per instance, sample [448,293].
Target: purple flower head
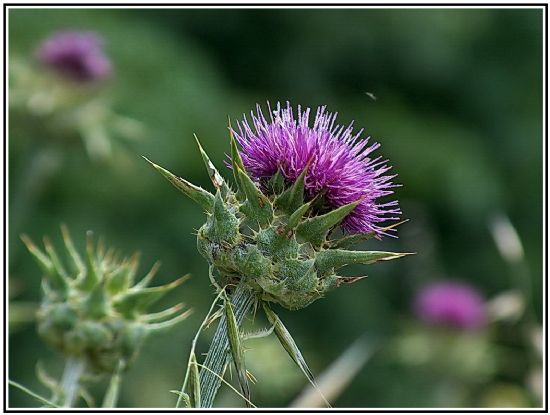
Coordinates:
[451,303]
[75,55]
[341,168]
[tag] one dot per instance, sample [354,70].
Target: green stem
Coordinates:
[70,382]
[218,356]
[111,396]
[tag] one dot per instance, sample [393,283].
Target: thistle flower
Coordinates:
[452,304]
[92,310]
[75,55]
[340,167]
[271,239]
[273,233]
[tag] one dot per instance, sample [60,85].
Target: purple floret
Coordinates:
[75,55]
[341,167]
[452,304]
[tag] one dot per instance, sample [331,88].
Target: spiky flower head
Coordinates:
[340,166]
[93,309]
[274,234]
[75,55]
[452,304]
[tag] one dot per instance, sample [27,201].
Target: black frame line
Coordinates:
[543,6]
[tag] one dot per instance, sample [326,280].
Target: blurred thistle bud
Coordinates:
[452,304]
[296,184]
[93,310]
[75,55]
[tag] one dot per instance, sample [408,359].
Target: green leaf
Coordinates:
[194,383]
[77,263]
[316,228]
[92,276]
[296,217]
[236,162]
[162,315]
[46,379]
[202,197]
[216,178]
[337,258]
[292,198]
[47,266]
[289,344]
[235,347]
[257,206]
[183,397]
[96,305]
[168,324]
[136,300]
[276,183]
[150,275]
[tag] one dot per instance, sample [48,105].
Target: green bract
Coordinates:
[93,310]
[273,243]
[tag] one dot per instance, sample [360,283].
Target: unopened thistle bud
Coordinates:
[295,185]
[94,310]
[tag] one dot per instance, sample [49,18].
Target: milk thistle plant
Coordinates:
[303,195]
[95,314]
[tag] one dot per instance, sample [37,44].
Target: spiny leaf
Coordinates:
[276,183]
[132,264]
[235,347]
[316,228]
[150,275]
[194,383]
[296,217]
[161,315]
[337,258]
[56,262]
[118,279]
[225,222]
[257,206]
[257,334]
[92,276]
[236,161]
[348,280]
[136,300]
[289,344]
[46,379]
[46,265]
[96,305]
[184,397]
[77,263]
[359,237]
[216,178]
[292,198]
[165,325]
[202,197]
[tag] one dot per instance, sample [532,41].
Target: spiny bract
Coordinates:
[273,237]
[94,310]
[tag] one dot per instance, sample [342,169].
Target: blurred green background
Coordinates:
[458,111]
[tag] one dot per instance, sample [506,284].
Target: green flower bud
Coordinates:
[96,311]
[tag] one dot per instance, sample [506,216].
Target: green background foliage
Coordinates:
[458,111]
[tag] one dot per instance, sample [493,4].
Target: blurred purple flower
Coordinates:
[76,55]
[340,170]
[451,303]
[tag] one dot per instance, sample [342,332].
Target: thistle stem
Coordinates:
[111,396]
[70,382]
[218,356]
